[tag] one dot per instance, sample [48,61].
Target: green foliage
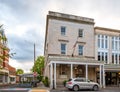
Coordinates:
[3,41]
[19,71]
[39,65]
[64,82]
[46,81]
[39,77]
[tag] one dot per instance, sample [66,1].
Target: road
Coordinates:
[109,89]
[22,90]
[15,90]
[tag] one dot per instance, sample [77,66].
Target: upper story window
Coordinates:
[80,50]
[116,43]
[63,48]
[103,41]
[80,33]
[63,30]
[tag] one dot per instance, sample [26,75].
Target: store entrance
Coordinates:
[111,78]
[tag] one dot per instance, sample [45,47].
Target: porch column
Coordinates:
[103,77]
[100,75]
[51,75]
[54,75]
[86,71]
[71,70]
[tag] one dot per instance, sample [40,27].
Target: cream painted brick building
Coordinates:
[71,50]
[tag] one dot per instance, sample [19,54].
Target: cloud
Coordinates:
[26,66]
[23,45]
[25,20]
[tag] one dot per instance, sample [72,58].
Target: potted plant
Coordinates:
[64,82]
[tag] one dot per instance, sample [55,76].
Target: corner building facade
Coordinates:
[72,50]
[108,51]
[7,72]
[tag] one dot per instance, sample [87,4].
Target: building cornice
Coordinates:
[70,18]
[107,29]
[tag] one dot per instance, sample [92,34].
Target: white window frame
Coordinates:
[63,33]
[79,50]
[80,33]
[64,51]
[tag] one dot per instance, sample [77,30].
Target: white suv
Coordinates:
[81,83]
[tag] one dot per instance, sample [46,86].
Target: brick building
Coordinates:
[7,72]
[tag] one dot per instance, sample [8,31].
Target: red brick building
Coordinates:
[7,72]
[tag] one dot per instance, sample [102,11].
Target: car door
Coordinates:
[88,84]
[81,83]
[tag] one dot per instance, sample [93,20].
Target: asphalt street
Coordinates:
[109,89]
[15,90]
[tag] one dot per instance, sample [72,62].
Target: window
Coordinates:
[106,42]
[113,58]
[98,41]
[103,56]
[80,50]
[80,80]
[6,78]
[98,56]
[63,48]
[63,30]
[106,57]
[80,33]
[103,41]
[116,59]
[62,69]
[115,43]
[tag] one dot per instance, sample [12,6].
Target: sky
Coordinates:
[25,22]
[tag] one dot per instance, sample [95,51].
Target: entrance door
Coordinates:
[111,78]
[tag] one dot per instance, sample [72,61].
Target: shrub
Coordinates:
[46,81]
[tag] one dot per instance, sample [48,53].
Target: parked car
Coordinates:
[81,83]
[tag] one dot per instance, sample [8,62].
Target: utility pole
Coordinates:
[34,64]
[34,54]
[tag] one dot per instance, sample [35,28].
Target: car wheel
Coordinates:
[95,88]
[75,88]
[69,89]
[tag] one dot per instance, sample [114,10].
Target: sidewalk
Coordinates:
[40,89]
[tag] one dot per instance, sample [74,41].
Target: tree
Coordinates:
[19,71]
[39,66]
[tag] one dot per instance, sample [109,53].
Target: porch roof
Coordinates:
[112,67]
[74,60]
